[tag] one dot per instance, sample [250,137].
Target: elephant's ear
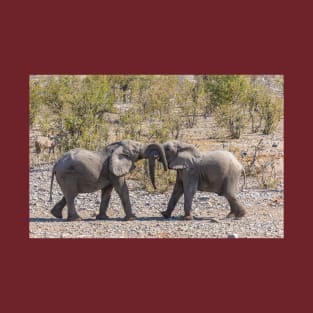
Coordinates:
[186,158]
[120,164]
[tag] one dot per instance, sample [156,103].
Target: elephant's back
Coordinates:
[219,163]
[80,160]
[212,165]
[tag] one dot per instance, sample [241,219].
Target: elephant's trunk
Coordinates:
[153,152]
[152,171]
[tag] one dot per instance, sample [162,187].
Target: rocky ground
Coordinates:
[265,218]
[265,207]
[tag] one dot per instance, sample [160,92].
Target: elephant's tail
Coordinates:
[244,179]
[52,177]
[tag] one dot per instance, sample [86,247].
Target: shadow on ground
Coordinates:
[121,219]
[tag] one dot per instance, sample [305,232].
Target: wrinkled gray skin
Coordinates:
[83,171]
[214,171]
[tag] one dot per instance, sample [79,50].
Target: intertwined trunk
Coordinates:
[153,152]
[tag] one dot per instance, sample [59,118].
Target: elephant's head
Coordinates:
[125,153]
[179,155]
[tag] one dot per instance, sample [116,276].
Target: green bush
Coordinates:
[265,108]
[271,109]
[228,94]
[35,100]
[84,111]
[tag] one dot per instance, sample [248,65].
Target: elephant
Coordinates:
[83,171]
[212,171]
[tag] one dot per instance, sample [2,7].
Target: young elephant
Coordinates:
[215,171]
[83,171]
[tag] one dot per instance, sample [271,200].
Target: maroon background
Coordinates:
[155,37]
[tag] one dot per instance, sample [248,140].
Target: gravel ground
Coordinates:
[265,218]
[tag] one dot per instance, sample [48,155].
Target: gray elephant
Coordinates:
[83,171]
[214,171]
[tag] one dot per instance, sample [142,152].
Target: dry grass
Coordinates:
[262,161]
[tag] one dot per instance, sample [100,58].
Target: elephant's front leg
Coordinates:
[121,188]
[190,188]
[177,193]
[105,199]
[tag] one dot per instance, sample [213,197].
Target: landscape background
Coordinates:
[239,113]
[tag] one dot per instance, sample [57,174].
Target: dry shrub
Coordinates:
[261,165]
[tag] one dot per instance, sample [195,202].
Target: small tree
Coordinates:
[185,101]
[121,87]
[201,95]
[132,124]
[233,117]
[254,109]
[272,109]
[174,125]
[264,103]
[141,89]
[228,98]
[162,91]
[35,100]
[79,122]
[56,90]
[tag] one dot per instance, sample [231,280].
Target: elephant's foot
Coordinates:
[230,215]
[237,214]
[56,213]
[130,217]
[74,218]
[188,217]
[166,214]
[102,217]
[240,213]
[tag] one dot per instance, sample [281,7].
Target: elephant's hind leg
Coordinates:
[72,214]
[236,208]
[57,209]
[229,190]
